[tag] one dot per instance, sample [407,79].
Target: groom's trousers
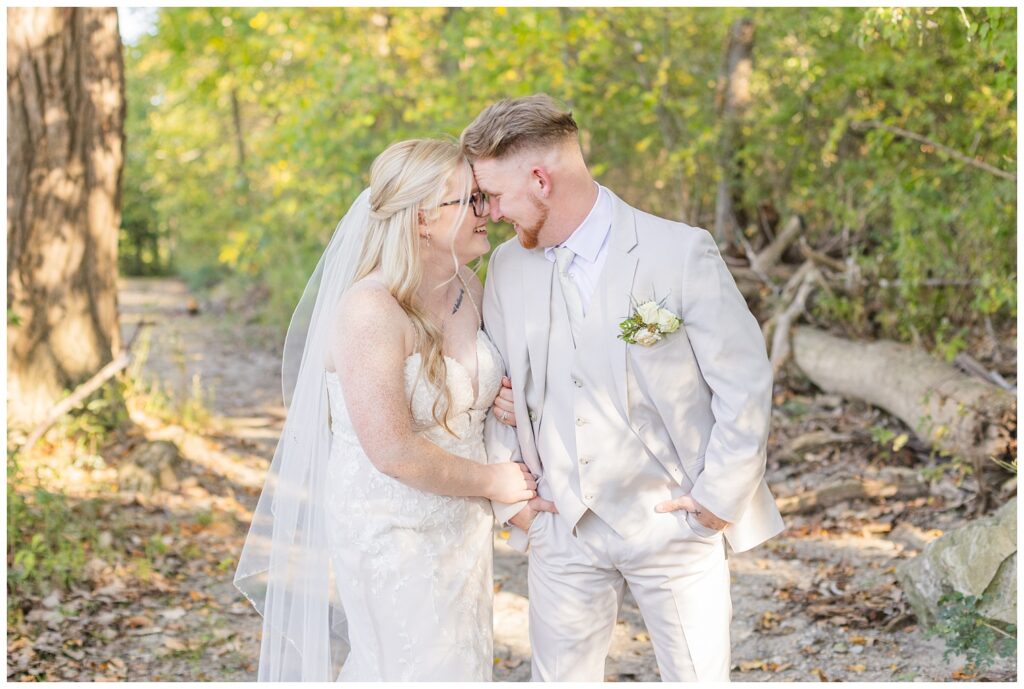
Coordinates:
[680,581]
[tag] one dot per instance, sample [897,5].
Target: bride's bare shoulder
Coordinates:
[368,321]
[369,304]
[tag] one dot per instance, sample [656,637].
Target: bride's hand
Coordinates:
[502,408]
[511,482]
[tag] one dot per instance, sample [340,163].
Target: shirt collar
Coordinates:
[587,239]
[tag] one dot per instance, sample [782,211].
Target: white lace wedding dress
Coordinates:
[414,569]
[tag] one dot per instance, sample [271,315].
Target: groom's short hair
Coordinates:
[514,124]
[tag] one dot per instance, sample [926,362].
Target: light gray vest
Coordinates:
[610,472]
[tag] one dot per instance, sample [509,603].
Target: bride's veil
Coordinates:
[285,568]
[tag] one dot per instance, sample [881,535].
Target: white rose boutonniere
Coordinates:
[648,312]
[646,337]
[648,324]
[668,322]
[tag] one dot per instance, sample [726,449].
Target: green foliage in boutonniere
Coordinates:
[649,323]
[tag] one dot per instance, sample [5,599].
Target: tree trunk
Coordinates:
[733,99]
[236,122]
[65,136]
[964,416]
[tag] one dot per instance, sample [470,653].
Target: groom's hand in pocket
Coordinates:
[700,513]
[524,517]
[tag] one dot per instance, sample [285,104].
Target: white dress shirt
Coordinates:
[589,242]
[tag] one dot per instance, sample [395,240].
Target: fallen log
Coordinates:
[809,253]
[957,414]
[891,482]
[751,284]
[771,254]
[805,279]
[812,440]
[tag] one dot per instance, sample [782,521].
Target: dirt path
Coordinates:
[812,604]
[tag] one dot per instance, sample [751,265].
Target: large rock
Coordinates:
[978,559]
[1000,599]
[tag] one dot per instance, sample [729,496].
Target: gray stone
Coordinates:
[999,601]
[966,560]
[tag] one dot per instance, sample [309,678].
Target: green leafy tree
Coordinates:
[255,130]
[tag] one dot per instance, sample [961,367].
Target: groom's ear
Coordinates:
[541,180]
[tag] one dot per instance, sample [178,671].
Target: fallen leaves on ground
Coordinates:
[834,599]
[762,665]
[148,608]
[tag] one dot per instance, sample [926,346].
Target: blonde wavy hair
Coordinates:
[406,180]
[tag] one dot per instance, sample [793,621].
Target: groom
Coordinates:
[653,451]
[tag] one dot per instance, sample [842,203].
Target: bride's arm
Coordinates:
[369,351]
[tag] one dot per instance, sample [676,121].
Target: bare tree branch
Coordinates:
[874,124]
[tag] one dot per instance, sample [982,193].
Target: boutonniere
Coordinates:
[649,322]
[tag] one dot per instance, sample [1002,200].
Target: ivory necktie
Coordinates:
[573,301]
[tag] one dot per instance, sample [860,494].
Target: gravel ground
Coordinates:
[817,603]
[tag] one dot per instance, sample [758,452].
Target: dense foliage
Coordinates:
[251,130]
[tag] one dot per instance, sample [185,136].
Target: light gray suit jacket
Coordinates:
[700,399]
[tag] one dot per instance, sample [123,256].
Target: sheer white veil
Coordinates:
[285,569]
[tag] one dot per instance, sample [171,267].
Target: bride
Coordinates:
[373,535]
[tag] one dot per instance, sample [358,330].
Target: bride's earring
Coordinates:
[423,221]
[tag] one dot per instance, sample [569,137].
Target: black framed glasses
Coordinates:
[478,200]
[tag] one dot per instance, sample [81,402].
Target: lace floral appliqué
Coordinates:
[414,569]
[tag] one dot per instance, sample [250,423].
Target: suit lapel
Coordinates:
[615,304]
[537,275]
[611,306]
